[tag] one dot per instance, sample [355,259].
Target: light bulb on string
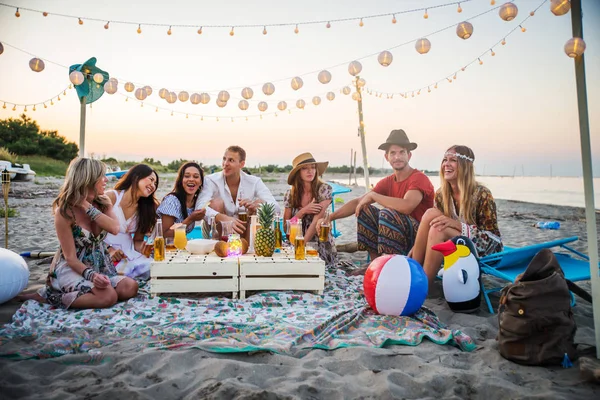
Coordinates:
[106,25]
[428,89]
[4,106]
[503,42]
[394,18]
[425,15]
[435,87]
[493,2]
[200,31]
[80,21]
[139,29]
[454,77]
[459,9]
[169,31]
[14,108]
[64,92]
[231,33]
[58,98]
[480,62]
[361,24]
[296,29]
[231,119]
[419,92]
[449,80]
[17,14]
[156,109]
[523,29]
[217,119]
[532,13]
[34,107]
[45,106]
[25,109]
[492,53]
[463,69]
[328,25]
[141,105]
[264,30]
[171,113]
[51,102]
[45,14]
[70,86]
[186,116]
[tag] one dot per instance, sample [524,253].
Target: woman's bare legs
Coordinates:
[433,259]
[126,289]
[419,249]
[97,298]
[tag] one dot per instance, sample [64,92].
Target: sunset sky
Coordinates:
[517,111]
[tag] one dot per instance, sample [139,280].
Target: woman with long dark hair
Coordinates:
[463,206]
[177,207]
[135,207]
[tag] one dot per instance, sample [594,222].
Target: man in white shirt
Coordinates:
[231,189]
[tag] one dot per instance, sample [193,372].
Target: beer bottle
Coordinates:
[159,242]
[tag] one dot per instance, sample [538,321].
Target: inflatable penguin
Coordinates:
[461,274]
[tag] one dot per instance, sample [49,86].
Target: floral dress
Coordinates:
[327,250]
[64,285]
[485,233]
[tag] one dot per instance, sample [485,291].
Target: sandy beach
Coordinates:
[428,370]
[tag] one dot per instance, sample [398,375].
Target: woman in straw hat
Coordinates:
[308,199]
[462,207]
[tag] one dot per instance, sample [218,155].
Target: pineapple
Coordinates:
[264,242]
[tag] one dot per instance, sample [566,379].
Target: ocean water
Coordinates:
[563,191]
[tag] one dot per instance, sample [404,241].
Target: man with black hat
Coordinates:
[403,198]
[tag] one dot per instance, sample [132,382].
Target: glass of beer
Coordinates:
[180,239]
[299,247]
[324,229]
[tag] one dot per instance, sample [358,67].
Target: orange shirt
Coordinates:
[416,181]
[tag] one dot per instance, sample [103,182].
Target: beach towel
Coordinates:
[283,322]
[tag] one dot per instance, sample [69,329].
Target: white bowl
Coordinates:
[201,246]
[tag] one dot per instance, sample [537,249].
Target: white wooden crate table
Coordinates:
[281,272]
[182,272]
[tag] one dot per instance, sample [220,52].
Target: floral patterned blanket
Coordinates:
[289,323]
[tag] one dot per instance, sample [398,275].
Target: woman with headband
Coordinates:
[462,206]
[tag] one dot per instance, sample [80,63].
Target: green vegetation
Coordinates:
[45,166]
[12,212]
[7,155]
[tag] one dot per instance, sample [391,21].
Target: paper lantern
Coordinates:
[15,275]
[129,87]
[183,96]
[575,47]
[464,30]
[395,285]
[110,87]
[148,90]
[204,98]
[560,7]
[195,98]
[282,105]
[171,97]
[268,88]
[1,48]
[162,93]
[385,58]
[316,100]
[243,105]
[508,11]
[36,65]
[262,106]
[324,77]
[354,68]
[297,83]
[300,104]
[361,83]
[356,96]
[221,103]
[247,93]
[346,90]
[330,96]
[423,46]
[76,78]
[140,94]
[98,78]
[223,96]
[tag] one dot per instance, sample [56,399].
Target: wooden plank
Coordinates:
[193,285]
[196,269]
[279,283]
[281,268]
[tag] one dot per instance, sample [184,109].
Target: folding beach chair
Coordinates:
[511,262]
[337,189]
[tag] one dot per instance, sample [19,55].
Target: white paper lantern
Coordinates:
[324,77]
[243,105]
[268,88]
[183,96]
[110,87]
[423,46]
[575,47]
[129,87]
[346,90]
[140,94]
[385,58]
[98,78]
[361,83]
[355,96]
[560,7]
[247,93]
[223,96]
[195,98]
[297,83]
[262,106]
[330,96]
[221,103]
[282,105]
[148,90]
[464,30]
[300,104]
[204,98]
[171,97]
[508,11]
[36,65]
[162,93]
[354,68]
[76,78]
[316,100]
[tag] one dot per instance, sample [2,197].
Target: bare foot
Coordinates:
[30,296]
[359,271]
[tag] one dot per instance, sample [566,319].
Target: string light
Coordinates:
[264,30]
[532,13]
[80,21]
[106,25]
[480,62]
[296,29]
[200,31]
[328,25]
[231,33]
[503,42]
[4,106]
[394,19]
[425,15]
[14,108]
[45,14]
[169,31]
[522,28]
[361,24]
[139,29]
[45,106]
[459,9]
[17,14]
[492,53]
[493,2]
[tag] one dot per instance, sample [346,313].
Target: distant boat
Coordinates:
[115,172]
[18,172]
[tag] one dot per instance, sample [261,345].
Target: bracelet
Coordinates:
[88,274]
[93,213]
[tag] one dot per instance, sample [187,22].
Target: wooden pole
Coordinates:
[354,169]
[361,128]
[588,182]
[350,173]
[82,129]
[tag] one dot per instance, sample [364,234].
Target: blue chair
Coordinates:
[337,189]
[511,262]
[117,174]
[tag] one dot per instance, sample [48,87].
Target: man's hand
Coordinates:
[251,205]
[116,255]
[364,202]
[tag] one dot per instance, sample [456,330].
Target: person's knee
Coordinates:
[127,288]
[218,205]
[429,215]
[107,297]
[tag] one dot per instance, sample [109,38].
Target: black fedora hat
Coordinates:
[399,138]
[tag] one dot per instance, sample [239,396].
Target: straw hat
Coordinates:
[302,160]
[398,137]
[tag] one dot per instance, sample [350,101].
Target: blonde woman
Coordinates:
[462,207]
[82,274]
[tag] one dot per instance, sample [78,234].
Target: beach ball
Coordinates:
[395,285]
[14,275]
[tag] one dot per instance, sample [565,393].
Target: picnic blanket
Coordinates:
[289,323]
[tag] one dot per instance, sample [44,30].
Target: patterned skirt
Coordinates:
[385,231]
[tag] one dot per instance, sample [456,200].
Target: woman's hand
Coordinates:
[116,255]
[197,215]
[100,281]
[442,222]
[311,208]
